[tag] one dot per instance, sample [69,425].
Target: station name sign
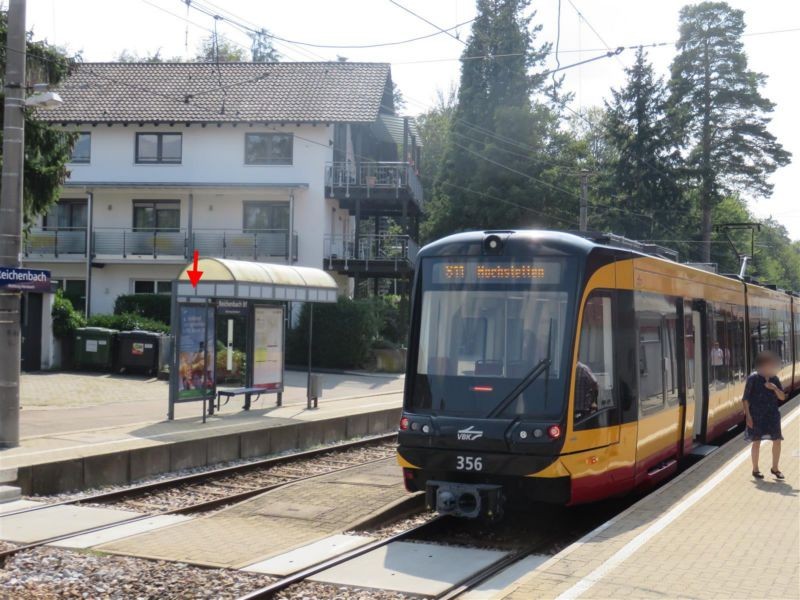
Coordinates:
[24,280]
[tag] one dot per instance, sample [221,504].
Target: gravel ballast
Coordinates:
[54,573]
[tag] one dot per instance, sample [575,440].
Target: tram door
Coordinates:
[694,414]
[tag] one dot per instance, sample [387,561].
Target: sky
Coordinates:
[101,29]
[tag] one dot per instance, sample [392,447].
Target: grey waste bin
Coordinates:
[137,351]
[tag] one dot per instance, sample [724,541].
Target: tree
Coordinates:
[128,56]
[47,148]
[397,99]
[261,48]
[718,112]
[497,169]
[434,131]
[642,186]
[219,49]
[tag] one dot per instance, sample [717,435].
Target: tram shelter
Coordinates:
[260,292]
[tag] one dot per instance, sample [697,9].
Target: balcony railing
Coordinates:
[156,243]
[178,244]
[64,242]
[381,248]
[370,176]
[248,244]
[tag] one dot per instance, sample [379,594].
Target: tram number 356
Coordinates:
[469,463]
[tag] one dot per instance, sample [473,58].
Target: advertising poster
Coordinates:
[268,347]
[196,352]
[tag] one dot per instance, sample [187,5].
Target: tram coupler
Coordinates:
[467,500]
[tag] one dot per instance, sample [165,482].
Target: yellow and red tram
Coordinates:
[548,366]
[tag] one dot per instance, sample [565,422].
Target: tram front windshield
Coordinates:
[484,326]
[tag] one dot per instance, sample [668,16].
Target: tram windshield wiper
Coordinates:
[541,367]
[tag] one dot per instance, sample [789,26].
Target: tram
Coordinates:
[553,367]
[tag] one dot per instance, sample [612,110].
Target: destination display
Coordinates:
[483,271]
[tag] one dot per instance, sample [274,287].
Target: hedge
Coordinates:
[65,318]
[342,336]
[151,306]
[128,322]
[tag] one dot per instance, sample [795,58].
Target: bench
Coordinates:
[247,392]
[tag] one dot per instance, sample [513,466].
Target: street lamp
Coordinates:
[43,98]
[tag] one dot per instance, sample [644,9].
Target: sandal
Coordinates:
[758,475]
[777,473]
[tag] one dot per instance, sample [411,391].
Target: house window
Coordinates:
[82,150]
[158,148]
[74,290]
[67,214]
[268,148]
[148,286]
[156,215]
[263,216]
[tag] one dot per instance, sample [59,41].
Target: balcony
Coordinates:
[262,244]
[108,242]
[178,245]
[381,188]
[63,244]
[376,255]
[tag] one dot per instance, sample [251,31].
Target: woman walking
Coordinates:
[761,395]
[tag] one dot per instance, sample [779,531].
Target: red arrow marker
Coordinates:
[194,274]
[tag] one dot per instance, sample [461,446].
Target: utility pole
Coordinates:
[584,199]
[11,221]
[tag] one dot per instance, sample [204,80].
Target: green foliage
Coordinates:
[497,169]
[150,306]
[342,334]
[718,110]
[47,148]
[261,48]
[65,318]
[642,159]
[127,56]
[221,51]
[392,313]
[128,322]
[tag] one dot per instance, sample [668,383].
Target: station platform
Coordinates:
[712,532]
[88,430]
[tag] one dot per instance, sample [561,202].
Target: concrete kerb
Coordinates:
[131,465]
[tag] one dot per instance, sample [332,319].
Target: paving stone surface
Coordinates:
[57,520]
[740,540]
[255,530]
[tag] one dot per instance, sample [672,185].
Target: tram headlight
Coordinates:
[493,244]
[554,431]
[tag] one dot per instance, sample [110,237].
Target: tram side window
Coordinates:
[720,351]
[736,336]
[758,331]
[658,353]
[783,335]
[594,372]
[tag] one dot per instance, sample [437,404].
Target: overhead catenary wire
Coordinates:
[421,18]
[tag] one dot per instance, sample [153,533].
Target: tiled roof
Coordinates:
[197,92]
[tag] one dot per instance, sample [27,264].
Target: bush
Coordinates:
[150,306]
[128,322]
[342,336]
[65,318]
[392,313]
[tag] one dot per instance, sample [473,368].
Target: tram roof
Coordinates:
[250,280]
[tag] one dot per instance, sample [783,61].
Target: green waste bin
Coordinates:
[137,351]
[93,348]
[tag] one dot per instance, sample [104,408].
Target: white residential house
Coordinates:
[273,162]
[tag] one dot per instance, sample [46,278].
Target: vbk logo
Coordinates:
[470,434]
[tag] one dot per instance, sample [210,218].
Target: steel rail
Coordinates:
[143,488]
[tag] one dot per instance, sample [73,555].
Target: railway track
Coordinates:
[519,536]
[436,526]
[325,460]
